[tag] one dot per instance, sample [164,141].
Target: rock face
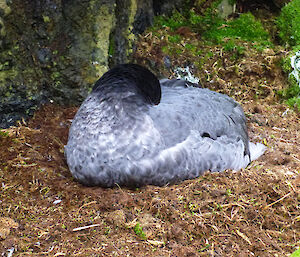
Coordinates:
[54,50]
[51,51]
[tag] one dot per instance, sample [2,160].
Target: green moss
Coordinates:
[165,50]
[198,23]
[138,230]
[293,90]
[174,22]
[285,64]
[55,75]
[292,93]
[191,47]
[111,49]
[294,102]
[190,19]
[210,19]
[296,253]
[231,46]
[215,30]
[7,75]
[288,23]
[101,36]
[175,38]
[246,28]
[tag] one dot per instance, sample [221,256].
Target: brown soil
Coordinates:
[252,212]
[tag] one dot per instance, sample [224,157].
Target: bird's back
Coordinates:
[119,136]
[183,109]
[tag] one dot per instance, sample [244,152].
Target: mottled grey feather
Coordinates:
[117,138]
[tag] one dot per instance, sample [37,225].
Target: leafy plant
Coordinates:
[288,23]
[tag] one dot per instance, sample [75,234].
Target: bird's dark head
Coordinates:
[144,80]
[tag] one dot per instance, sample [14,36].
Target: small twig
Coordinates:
[244,237]
[49,251]
[118,186]
[60,254]
[285,112]
[29,145]
[297,218]
[295,158]
[86,204]
[120,189]
[280,199]
[86,227]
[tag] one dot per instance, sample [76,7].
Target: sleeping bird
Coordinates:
[134,130]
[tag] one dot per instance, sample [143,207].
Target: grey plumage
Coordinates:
[119,137]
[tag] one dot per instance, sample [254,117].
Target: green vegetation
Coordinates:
[46,19]
[111,48]
[138,230]
[292,93]
[288,23]
[293,90]
[296,253]
[176,21]
[289,32]
[294,102]
[209,20]
[216,31]
[245,28]
[198,23]
[228,192]
[175,38]
[3,133]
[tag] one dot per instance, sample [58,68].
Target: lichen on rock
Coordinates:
[54,53]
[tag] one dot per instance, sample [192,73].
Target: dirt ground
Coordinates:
[252,212]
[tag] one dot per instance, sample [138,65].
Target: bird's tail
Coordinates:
[256,150]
